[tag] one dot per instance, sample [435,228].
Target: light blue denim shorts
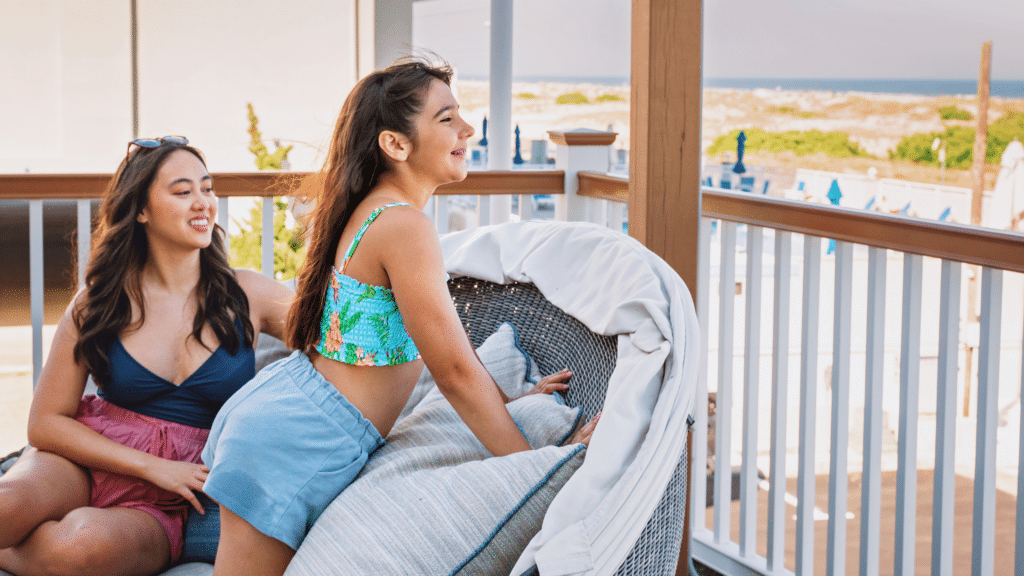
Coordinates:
[283,447]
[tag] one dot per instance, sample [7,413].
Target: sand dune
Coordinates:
[875,121]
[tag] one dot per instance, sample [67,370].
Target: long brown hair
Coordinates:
[388,99]
[119,251]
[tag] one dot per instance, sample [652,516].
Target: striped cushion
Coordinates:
[431,501]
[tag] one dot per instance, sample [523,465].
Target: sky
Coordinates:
[891,39]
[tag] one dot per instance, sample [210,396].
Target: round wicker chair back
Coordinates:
[555,340]
[552,338]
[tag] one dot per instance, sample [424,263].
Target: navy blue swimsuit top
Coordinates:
[195,401]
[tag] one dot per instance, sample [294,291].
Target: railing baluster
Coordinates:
[267,237]
[838,479]
[35,255]
[525,207]
[431,210]
[870,497]
[751,370]
[223,218]
[983,545]
[808,407]
[945,420]
[84,227]
[910,370]
[483,208]
[780,399]
[614,216]
[442,214]
[700,430]
[723,397]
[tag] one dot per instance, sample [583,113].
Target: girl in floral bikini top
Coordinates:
[363,334]
[361,323]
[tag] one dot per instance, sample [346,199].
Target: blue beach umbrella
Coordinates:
[483,141]
[833,196]
[518,159]
[740,141]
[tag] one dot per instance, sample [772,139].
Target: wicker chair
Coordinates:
[556,340]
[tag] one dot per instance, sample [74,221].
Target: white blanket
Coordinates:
[615,286]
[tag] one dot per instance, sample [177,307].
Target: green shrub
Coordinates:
[959,142]
[954,113]
[264,159]
[610,98]
[790,110]
[572,98]
[245,250]
[835,144]
[289,251]
[526,95]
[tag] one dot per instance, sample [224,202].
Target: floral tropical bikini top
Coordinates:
[361,324]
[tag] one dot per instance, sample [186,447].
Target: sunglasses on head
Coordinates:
[156,142]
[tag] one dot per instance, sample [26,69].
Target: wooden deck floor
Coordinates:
[1006,509]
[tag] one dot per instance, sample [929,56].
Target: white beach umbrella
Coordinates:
[1008,197]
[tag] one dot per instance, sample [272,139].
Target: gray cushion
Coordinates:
[505,360]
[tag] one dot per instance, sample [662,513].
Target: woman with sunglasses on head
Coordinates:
[166,329]
[372,308]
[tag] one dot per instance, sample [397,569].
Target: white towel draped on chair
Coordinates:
[615,286]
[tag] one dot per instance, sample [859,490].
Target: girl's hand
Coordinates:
[179,477]
[582,436]
[556,382]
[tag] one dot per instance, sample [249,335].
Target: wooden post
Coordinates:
[664,166]
[664,114]
[977,195]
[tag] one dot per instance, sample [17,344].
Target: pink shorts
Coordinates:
[168,440]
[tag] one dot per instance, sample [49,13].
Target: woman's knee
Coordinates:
[20,511]
[77,546]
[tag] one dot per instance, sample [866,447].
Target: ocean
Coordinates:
[1000,88]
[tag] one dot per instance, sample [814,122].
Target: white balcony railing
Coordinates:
[767,386]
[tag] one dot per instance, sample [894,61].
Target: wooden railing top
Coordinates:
[973,245]
[969,244]
[268,183]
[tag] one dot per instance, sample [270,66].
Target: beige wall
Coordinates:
[65,78]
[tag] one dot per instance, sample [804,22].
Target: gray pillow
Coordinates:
[502,356]
[431,501]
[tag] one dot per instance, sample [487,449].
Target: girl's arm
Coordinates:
[52,426]
[413,263]
[268,302]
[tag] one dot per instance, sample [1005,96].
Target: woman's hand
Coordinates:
[556,382]
[179,477]
[582,436]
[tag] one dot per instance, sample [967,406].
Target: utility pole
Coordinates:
[977,194]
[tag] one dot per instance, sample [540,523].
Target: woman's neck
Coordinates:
[172,272]
[405,188]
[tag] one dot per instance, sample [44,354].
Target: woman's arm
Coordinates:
[268,301]
[415,268]
[52,426]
